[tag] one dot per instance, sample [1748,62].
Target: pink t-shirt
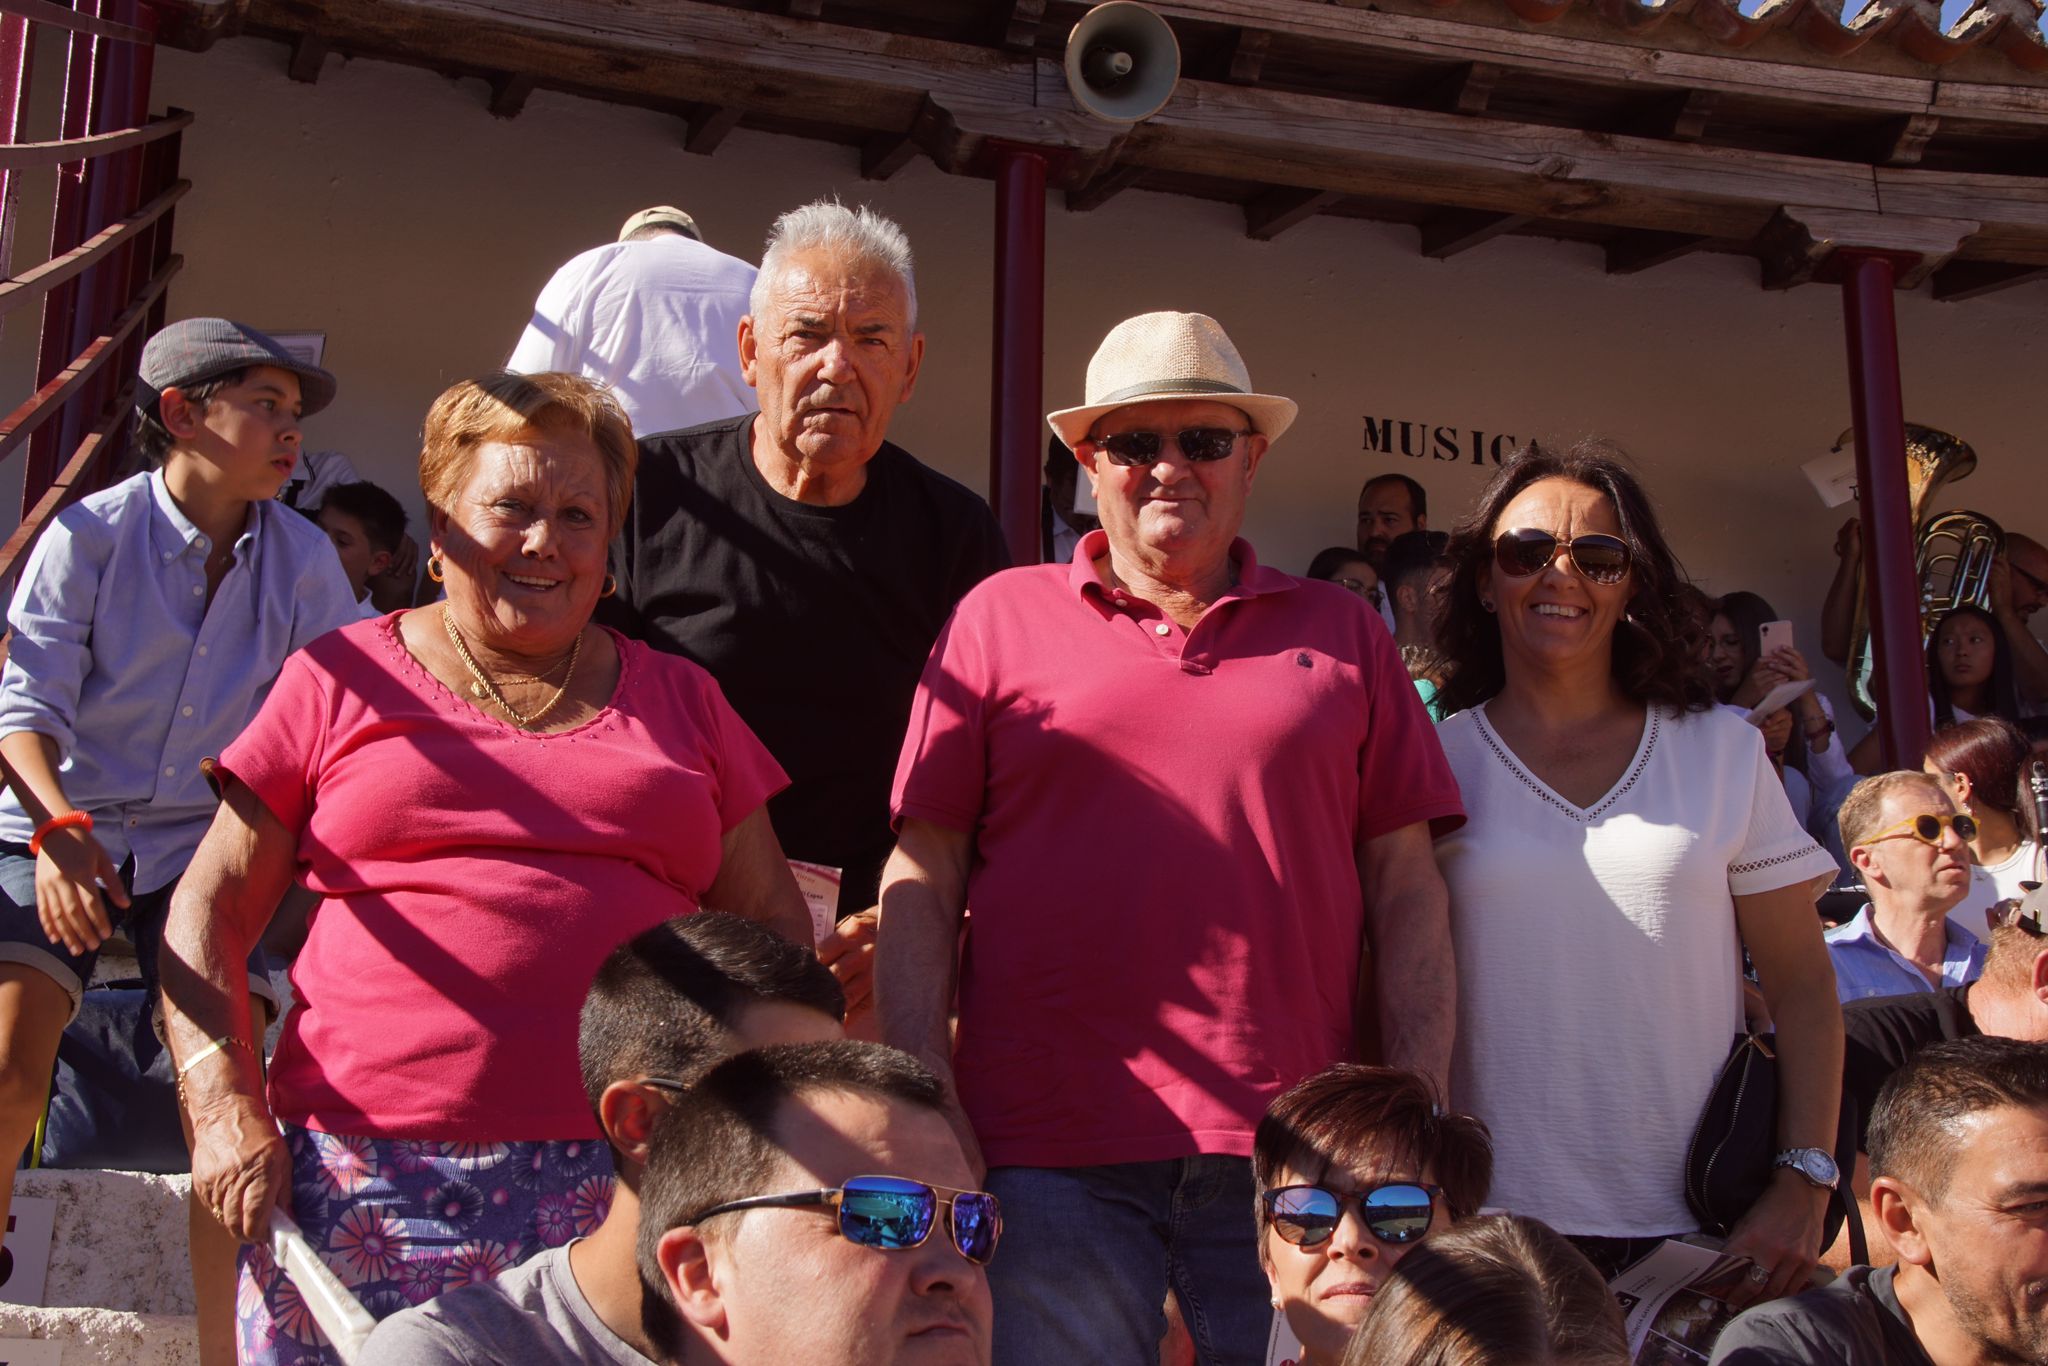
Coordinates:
[1166,915]
[474,875]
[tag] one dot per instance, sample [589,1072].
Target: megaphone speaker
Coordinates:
[1122,62]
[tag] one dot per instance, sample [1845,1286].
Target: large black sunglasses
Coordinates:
[1199,444]
[1526,550]
[893,1214]
[1396,1212]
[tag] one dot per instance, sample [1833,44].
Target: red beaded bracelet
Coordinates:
[80,819]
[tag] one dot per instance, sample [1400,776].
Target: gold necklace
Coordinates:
[483,688]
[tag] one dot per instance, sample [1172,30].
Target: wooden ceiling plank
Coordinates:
[1275,211]
[1103,188]
[1629,253]
[706,128]
[1960,280]
[1446,234]
[1471,87]
[806,9]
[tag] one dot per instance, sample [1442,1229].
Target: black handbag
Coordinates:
[1728,1163]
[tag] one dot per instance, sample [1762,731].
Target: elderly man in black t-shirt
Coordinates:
[1959,1144]
[799,556]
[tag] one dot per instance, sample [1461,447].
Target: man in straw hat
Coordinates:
[1181,791]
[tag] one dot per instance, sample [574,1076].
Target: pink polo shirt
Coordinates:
[1166,911]
[473,875]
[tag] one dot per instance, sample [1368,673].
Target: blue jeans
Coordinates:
[1089,1252]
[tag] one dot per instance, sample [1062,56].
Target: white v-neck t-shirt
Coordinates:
[1598,959]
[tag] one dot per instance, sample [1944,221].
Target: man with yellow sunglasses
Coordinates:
[1905,836]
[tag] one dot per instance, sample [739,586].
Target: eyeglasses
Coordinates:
[1199,444]
[1526,550]
[1358,586]
[1927,828]
[1398,1212]
[894,1215]
[2034,579]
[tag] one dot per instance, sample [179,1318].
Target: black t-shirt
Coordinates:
[816,621]
[1883,1031]
[1855,1321]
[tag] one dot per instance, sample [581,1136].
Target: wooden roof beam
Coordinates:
[1631,252]
[309,50]
[509,92]
[1275,211]
[1681,115]
[1470,87]
[1020,30]
[1960,280]
[707,126]
[1103,188]
[1446,234]
[806,9]
[1902,141]
[1248,48]
[1800,243]
[884,154]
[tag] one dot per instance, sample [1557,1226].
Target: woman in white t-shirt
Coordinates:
[1980,762]
[1626,841]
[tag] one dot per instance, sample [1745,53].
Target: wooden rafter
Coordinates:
[707,126]
[1446,234]
[1275,211]
[1103,188]
[1630,252]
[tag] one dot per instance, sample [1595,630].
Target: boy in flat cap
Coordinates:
[150,621]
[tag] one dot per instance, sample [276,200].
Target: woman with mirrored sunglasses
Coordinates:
[1353,1167]
[1627,842]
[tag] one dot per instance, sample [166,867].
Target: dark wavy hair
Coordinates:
[1992,754]
[2001,690]
[1653,660]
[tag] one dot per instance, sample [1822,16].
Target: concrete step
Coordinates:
[98,1337]
[120,1241]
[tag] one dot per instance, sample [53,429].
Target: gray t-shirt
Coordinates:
[533,1315]
[1855,1321]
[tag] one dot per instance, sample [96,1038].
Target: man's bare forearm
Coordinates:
[1416,983]
[917,945]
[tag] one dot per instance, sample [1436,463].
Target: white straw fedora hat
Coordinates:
[1165,356]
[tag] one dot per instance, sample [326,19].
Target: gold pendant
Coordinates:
[478,691]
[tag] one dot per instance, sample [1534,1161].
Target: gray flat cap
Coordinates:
[199,349]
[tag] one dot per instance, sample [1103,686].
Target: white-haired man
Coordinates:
[800,556]
[654,316]
[1181,791]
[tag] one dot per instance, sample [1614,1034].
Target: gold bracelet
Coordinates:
[225,1041]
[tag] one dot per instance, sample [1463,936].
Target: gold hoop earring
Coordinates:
[611,586]
[434,569]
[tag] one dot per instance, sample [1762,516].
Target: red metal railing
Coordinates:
[102,286]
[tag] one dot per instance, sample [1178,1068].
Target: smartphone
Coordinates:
[1775,635]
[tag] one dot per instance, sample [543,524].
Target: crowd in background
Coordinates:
[727,905]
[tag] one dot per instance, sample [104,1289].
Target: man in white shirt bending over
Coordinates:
[656,316]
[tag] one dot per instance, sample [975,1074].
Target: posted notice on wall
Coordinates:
[1833,477]
[1282,1347]
[820,886]
[25,1259]
[30,1352]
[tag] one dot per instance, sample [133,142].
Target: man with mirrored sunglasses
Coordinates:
[810,1204]
[1905,836]
[1181,791]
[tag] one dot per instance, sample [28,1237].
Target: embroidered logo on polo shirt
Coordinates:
[1301,658]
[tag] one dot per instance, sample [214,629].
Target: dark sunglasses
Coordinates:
[1398,1212]
[1526,550]
[894,1215]
[1199,444]
[1927,827]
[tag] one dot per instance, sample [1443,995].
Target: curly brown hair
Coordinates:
[1654,661]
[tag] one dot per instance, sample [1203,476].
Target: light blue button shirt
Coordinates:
[1866,966]
[118,657]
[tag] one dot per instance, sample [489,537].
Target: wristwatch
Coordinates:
[1814,1164]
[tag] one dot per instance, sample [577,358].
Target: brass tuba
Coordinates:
[1953,552]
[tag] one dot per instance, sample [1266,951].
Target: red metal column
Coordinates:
[1890,579]
[60,304]
[1017,419]
[17,52]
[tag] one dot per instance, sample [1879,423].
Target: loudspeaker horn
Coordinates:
[1122,62]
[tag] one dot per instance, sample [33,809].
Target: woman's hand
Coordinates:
[71,870]
[1777,729]
[849,951]
[1781,1233]
[240,1168]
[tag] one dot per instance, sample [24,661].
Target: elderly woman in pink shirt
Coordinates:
[488,794]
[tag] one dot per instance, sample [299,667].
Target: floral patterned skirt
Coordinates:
[402,1219]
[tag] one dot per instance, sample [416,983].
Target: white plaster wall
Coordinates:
[385,206]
